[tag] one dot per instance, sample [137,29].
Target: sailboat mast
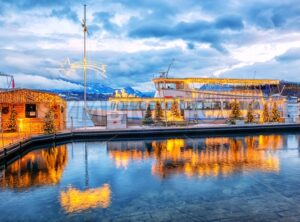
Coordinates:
[84,55]
[84,65]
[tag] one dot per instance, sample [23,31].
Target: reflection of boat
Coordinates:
[39,167]
[201,157]
[74,200]
[197,99]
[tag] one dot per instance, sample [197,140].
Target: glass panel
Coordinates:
[143,105]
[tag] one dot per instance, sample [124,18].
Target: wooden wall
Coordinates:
[35,125]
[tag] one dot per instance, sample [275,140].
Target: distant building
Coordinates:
[31,107]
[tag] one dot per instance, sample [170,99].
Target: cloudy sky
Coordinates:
[137,39]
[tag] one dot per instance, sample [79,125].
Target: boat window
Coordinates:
[113,106]
[152,105]
[130,106]
[169,105]
[216,105]
[182,105]
[171,86]
[226,105]
[180,85]
[122,106]
[207,105]
[199,105]
[256,105]
[143,105]
[243,105]
[189,106]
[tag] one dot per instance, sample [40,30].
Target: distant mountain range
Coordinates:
[96,91]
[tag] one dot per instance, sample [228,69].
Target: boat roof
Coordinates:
[219,81]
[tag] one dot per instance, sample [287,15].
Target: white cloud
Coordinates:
[40,82]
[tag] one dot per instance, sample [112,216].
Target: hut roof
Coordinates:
[17,96]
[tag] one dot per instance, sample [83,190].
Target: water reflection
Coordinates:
[37,168]
[201,157]
[74,200]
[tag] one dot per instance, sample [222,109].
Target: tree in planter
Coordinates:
[158,112]
[250,116]
[148,116]
[275,115]
[12,121]
[265,114]
[49,125]
[175,110]
[235,110]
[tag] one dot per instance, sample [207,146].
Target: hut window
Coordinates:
[5,110]
[30,110]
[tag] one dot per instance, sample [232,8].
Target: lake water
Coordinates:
[243,178]
[76,112]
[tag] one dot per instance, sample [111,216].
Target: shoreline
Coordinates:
[96,133]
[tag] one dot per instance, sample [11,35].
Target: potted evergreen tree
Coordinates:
[265,114]
[12,121]
[175,110]
[250,116]
[235,116]
[275,114]
[158,114]
[49,125]
[148,116]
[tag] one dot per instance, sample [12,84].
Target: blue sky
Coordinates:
[137,39]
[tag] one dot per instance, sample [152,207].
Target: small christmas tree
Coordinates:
[158,112]
[266,116]
[175,110]
[12,121]
[148,116]
[250,116]
[235,110]
[275,115]
[49,125]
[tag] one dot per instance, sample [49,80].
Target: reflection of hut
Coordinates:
[37,168]
[31,107]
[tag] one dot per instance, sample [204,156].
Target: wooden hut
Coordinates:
[31,107]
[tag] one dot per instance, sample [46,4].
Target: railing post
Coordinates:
[2,136]
[29,128]
[5,152]
[71,123]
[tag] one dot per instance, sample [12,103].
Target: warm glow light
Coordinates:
[224,81]
[219,156]
[37,168]
[74,200]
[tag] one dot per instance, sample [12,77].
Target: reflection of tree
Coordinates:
[206,157]
[39,167]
